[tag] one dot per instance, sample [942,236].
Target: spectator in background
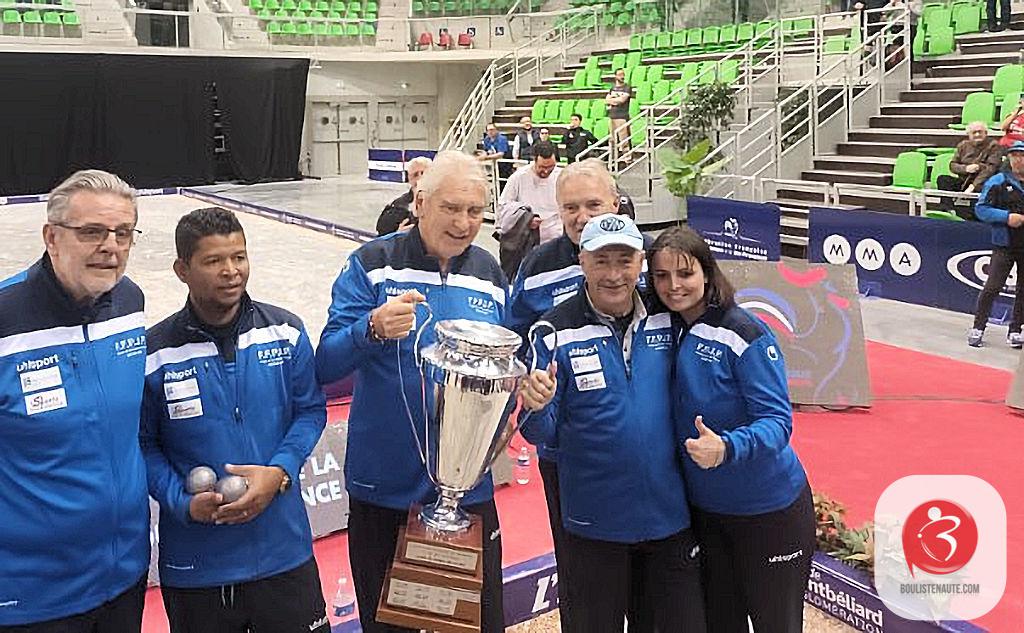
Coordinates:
[529,193]
[545,137]
[1013,126]
[617,100]
[577,139]
[1003,22]
[495,150]
[526,138]
[399,215]
[977,159]
[1001,204]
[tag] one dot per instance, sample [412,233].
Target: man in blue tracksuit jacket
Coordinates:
[230,384]
[374,309]
[74,517]
[549,275]
[623,499]
[1001,204]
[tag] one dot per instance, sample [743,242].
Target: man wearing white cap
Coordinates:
[605,401]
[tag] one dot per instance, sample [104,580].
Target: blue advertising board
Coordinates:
[388,165]
[913,259]
[735,229]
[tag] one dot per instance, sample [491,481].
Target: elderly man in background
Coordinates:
[398,215]
[976,159]
[374,309]
[74,514]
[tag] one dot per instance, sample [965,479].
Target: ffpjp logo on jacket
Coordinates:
[814,312]
[130,346]
[481,305]
[940,547]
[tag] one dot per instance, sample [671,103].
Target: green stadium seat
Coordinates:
[937,214]
[638,132]
[639,75]
[602,128]
[51,18]
[618,61]
[1008,78]
[966,18]
[551,110]
[655,73]
[633,59]
[304,29]
[634,108]
[710,38]
[938,18]
[941,41]
[32,17]
[744,32]
[940,168]
[273,28]
[727,36]
[644,94]
[289,5]
[592,62]
[594,78]
[979,106]
[272,5]
[729,71]
[565,110]
[256,5]
[677,84]
[834,45]
[663,44]
[598,109]
[661,90]
[367,30]
[299,15]
[678,42]
[649,41]
[694,38]
[537,111]
[12,16]
[689,71]
[288,28]
[351,30]
[305,5]
[910,170]
[264,15]
[762,28]
[707,74]
[337,30]
[636,42]
[321,29]
[1008,107]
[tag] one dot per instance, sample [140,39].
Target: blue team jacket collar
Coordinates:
[191,322]
[426,261]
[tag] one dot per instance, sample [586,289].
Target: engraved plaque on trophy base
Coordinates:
[436,579]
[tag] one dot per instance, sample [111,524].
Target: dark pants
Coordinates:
[123,614]
[999,268]
[601,583]
[372,540]
[1004,15]
[289,602]
[757,566]
[965,208]
[638,620]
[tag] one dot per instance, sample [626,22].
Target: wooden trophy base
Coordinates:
[435,580]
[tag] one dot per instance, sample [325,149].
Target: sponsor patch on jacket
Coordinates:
[590,382]
[585,364]
[188,409]
[481,305]
[274,356]
[40,379]
[181,389]
[46,401]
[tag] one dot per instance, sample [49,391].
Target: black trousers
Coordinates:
[1004,15]
[123,614]
[638,620]
[601,583]
[289,602]
[955,183]
[999,268]
[372,540]
[757,566]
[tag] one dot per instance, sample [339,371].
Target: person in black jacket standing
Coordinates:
[398,214]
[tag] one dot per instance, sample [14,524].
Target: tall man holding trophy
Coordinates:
[427,295]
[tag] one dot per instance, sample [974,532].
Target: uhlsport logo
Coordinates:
[971,268]
[30,365]
[939,537]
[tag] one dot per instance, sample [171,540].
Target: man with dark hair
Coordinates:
[617,100]
[527,210]
[231,385]
[525,140]
[74,518]
[577,139]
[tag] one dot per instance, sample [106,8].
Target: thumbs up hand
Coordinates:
[707,449]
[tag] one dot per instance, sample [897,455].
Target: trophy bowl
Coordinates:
[470,375]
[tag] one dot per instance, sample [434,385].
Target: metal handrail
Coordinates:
[810,92]
[507,69]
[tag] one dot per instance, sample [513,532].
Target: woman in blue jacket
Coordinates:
[752,506]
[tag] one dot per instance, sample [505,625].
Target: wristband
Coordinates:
[371,333]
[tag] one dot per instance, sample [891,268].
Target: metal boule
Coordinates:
[201,479]
[232,487]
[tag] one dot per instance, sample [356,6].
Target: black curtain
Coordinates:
[148,119]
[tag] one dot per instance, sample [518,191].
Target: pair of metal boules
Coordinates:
[204,479]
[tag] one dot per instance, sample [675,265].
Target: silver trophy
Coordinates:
[469,380]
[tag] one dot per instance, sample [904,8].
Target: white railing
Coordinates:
[523,67]
[758,68]
[782,142]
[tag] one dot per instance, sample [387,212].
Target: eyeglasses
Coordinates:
[97,233]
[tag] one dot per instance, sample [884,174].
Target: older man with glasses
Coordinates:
[74,537]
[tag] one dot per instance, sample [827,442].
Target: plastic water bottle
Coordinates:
[523,466]
[345,599]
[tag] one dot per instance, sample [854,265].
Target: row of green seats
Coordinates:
[31,16]
[332,16]
[67,4]
[710,39]
[985,107]
[321,29]
[911,170]
[340,6]
[460,7]
[939,25]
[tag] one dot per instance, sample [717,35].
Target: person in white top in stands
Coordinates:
[533,186]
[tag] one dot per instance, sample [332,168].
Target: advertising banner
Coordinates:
[735,229]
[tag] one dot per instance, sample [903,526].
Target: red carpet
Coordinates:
[931,416]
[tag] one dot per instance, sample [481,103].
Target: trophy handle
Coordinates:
[511,431]
[423,388]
